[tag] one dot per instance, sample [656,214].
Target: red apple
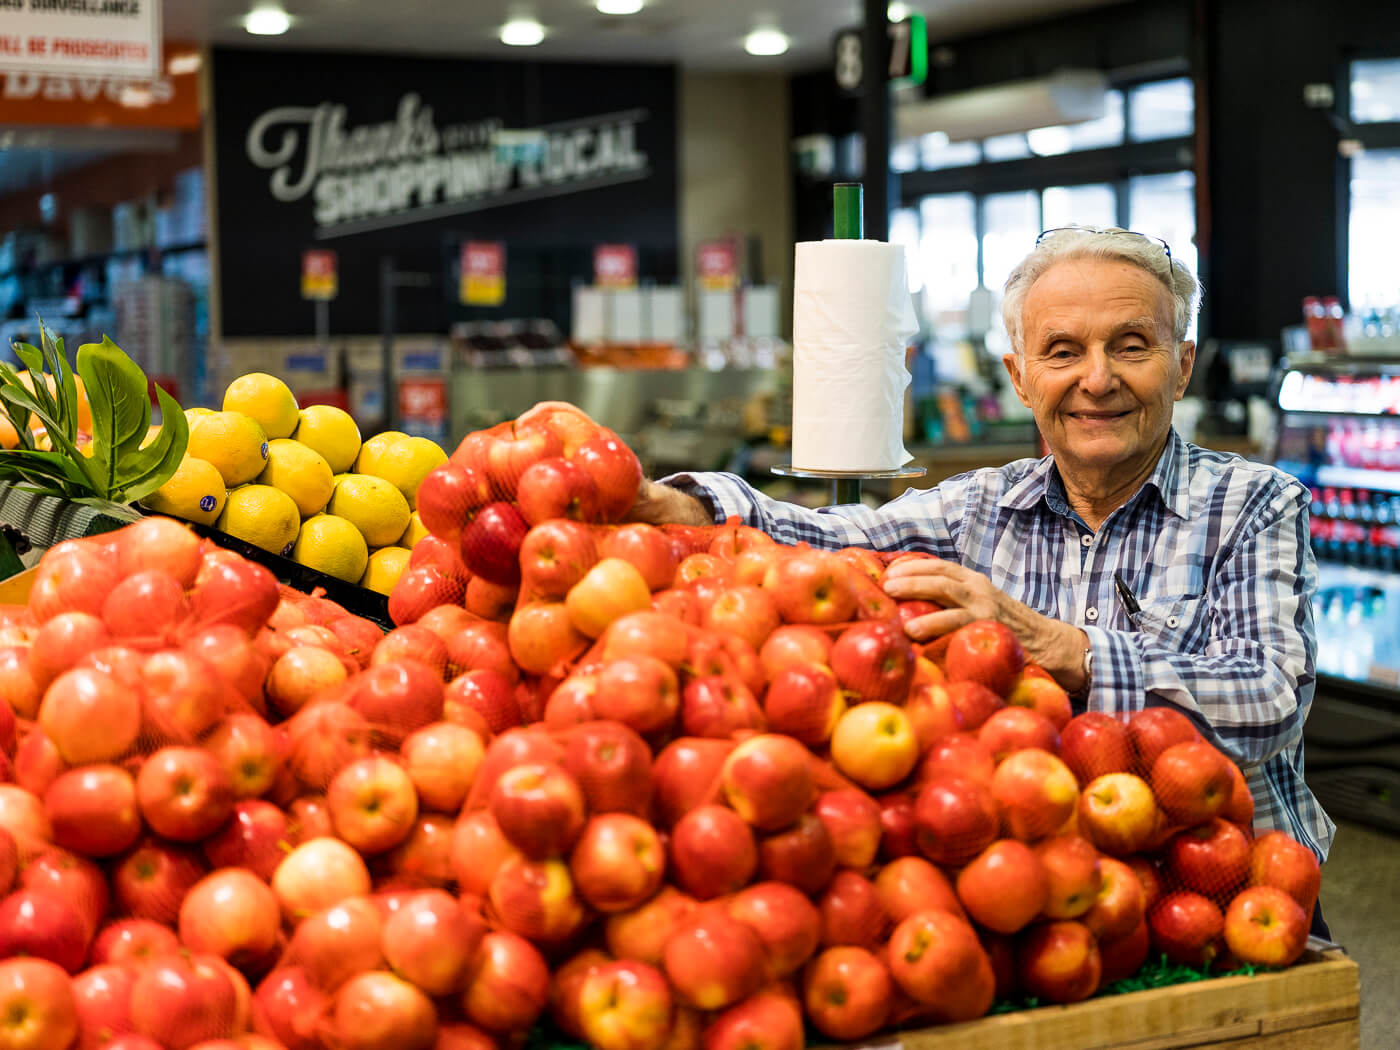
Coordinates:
[897,825]
[181,1000]
[507,985]
[1191,782]
[424,857]
[618,862]
[102,995]
[1279,861]
[9,861]
[255,838]
[986,652]
[250,751]
[1265,926]
[641,933]
[745,611]
[847,993]
[37,1007]
[229,652]
[712,852]
[422,588]
[1124,956]
[1120,906]
[1118,813]
[430,941]
[1240,808]
[289,1006]
[537,899]
[687,774]
[1210,858]
[145,606]
[1043,696]
[233,591]
[768,780]
[543,639]
[612,765]
[441,760]
[609,590]
[936,960]
[851,912]
[1149,876]
[625,1005]
[1187,928]
[184,793]
[713,960]
[911,884]
[810,586]
[372,804]
[379,1011]
[852,820]
[1152,731]
[397,698]
[1094,744]
[974,702]
[804,701]
[322,739]
[152,879]
[1004,887]
[647,548]
[37,763]
[1016,728]
[874,661]
[73,579]
[787,924]
[641,692]
[554,556]
[90,716]
[1059,962]
[17,683]
[333,945]
[40,923]
[933,713]
[648,633]
[793,645]
[1072,868]
[62,642]
[539,808]
[959,755]
[448,495]
[317,875]
[954,820]
[770,1020]
[93,810]
[719,706]
[1035,792]
[232,914]
[487,692]
[491,541]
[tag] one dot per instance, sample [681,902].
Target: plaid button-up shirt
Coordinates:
[1213,547]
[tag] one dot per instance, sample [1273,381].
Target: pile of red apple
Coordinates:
[668,787]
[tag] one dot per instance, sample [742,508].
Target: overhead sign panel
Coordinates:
[104,38]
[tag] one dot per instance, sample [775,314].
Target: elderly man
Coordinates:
[1139,570]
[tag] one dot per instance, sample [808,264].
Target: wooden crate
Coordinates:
[1313,1005]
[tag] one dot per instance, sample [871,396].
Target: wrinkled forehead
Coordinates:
[1079,292]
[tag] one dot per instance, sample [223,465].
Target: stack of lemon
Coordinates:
[279,476]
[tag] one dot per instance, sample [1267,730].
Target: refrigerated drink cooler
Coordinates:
[1339,433]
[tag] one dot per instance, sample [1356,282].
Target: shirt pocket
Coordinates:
[1180,623]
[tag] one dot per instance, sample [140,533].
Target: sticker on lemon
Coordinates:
[374,506]
[373,448]
[300,473]
[332,433]
[266,399]
[195,492]
[332,545]
[263,516]
[406,463]
[233,442]
[385,567]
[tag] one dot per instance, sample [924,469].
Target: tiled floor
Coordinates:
[1361,901]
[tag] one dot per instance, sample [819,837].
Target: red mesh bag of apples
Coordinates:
[658,787]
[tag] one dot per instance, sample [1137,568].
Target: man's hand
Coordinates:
[967,595]
[663,505]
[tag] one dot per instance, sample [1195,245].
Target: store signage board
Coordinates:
[717,266]
[423,407]
[483,274]
[98,38]
[908,55]
[615,265]
[60,100]
[318,274]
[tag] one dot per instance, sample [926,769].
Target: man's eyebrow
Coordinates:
[1137,324]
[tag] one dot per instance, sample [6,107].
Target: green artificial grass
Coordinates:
[1155,973]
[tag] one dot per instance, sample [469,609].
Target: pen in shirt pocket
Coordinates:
[1125,596]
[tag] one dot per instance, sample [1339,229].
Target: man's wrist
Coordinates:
[1063,650]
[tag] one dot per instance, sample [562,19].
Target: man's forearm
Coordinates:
[662,505]
[1054,645]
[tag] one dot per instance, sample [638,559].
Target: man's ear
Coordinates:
[1013,369]
[1186,359]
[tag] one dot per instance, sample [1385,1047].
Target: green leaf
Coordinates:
[146,470]
[67,387]
[121,407]
[37,467]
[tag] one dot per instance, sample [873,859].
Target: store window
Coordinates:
[1010,225]
[1373,265]
[1092,134]
[947,257]
[1163,109]
[904,231]
[1375,91]
[1165,206]
[1093,205]
[936,152]
[1006,147]
[904,156]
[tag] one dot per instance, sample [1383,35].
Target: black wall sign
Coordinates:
[407,157]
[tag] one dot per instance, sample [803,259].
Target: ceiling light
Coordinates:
[897,12]
[765,42]
[267,21]
[619,7]
[522,32]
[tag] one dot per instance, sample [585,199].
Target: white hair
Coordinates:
[1101,242]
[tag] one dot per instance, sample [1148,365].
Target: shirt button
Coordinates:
[1172,621]
[1086,541]
[1091,614]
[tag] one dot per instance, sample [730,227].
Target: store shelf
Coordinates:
[102,257]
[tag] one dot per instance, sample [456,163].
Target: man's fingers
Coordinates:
[923,567]
[935,625]
[938,589]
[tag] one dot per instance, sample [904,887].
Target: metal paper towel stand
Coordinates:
[848,223]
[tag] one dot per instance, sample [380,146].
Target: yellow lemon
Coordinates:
[263,516]
[375,447]
[9,436]
[194,492]
[406,463]
[416,531]
[300,473]
[372,505]
[233,442]
[191,414]
[385,567]
[267,399]
[84,407]
[331,432]
[332,545]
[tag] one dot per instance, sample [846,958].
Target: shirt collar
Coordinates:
[1170,479]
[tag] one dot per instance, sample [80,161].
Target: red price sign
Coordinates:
[318,274]
[483,281]
[717,266]
[423,401]
[615,266]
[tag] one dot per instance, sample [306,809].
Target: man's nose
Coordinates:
[1099,376]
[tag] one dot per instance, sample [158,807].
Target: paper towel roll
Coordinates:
[852,319]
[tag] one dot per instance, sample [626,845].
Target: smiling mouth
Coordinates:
[1099,416]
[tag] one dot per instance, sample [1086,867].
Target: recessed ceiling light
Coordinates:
[619,7]
[522,32]
[765,42]
[897,12]
[267,21]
